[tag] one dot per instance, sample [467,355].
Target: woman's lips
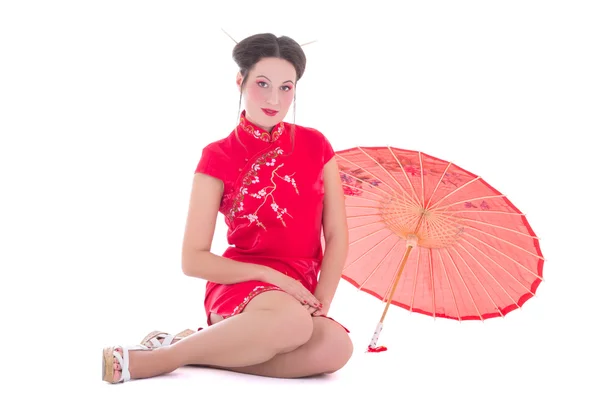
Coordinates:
[269,112]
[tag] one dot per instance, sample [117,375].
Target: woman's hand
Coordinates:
[323,310]
[311,310]
[294,288]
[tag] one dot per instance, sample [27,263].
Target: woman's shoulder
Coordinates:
[220,147]
[216,159]
[308,132]
[313,139]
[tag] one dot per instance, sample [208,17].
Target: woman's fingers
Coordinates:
[320,312]
[309,298]
[310,309]
[312,303]
[303,295]
[312,300]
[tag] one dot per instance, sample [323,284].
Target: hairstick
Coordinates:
[229,36]
[302,45]
[235,41]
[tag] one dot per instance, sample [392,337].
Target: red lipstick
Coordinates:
[269,112]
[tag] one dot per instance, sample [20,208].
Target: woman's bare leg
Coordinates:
[272,323]
[327,351]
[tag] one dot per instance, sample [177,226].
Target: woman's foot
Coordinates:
[115,362]
[117,367]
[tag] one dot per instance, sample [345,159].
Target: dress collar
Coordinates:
[259,133]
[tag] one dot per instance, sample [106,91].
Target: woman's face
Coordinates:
[268,91]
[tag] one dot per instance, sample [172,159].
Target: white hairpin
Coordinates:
[229,36]
[235,41]
[302,45]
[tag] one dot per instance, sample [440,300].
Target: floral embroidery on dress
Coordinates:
[260,133]
[265,193]
[255,292]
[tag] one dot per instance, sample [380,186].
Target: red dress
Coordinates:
[272,204]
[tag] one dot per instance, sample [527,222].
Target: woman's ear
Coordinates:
[238,81]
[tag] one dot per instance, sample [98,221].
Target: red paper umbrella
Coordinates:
[430,237]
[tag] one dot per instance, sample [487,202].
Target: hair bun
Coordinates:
[252,49]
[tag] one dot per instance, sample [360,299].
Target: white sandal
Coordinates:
[152,340]
[109,354]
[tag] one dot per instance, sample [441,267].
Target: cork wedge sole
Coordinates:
[108,360]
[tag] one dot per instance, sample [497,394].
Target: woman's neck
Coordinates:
[266,128]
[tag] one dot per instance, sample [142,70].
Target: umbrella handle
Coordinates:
[375,337]
[411,241]
[373,345]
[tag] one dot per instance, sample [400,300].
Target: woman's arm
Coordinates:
[335,230]
[199,262]
[197,259]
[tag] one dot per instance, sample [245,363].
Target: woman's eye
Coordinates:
[262,84]
[286,88]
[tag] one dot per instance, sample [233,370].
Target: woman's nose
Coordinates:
[273,97]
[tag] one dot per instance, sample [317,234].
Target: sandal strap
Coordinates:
[184,334]
[124,360]
[167,340]
[153,338]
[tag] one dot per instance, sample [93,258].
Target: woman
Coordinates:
[278,187]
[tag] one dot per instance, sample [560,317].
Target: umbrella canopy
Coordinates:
[433,238]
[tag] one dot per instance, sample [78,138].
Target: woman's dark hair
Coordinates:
[254,48]
[264,45]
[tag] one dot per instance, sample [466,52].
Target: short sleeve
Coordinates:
[328,151]
[212,164]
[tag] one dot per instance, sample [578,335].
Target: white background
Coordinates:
[106,105]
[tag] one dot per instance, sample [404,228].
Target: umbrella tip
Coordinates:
[377,349]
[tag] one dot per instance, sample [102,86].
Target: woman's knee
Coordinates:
[340,355]
[336,347]
[292,325]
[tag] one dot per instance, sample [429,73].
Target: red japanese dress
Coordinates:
[272,204]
